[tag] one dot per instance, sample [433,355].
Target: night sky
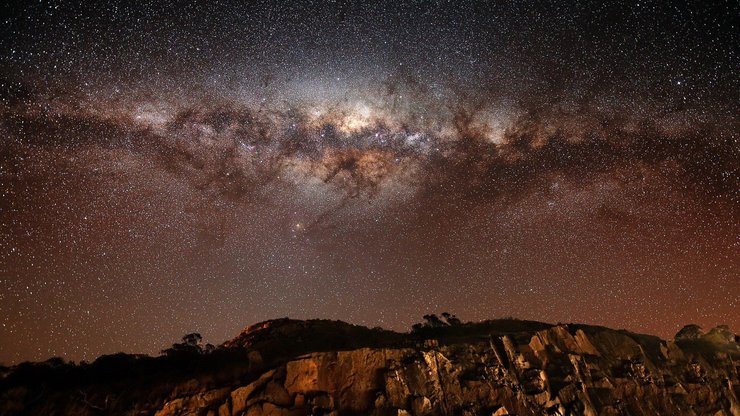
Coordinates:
[167,169]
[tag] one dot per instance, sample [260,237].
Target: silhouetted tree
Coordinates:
[192,340]
[55,362]
[191,344]
[451,319]
[433,321]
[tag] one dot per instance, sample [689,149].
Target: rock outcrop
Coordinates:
[559,370]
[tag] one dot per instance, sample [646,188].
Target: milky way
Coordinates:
[200,168]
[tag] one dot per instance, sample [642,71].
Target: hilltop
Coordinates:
[443,366]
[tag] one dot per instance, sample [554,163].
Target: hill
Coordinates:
[442,367]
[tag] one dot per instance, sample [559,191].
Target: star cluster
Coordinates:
[199,167]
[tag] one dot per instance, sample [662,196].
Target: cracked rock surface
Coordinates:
[472,370]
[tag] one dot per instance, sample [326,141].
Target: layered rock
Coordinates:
[502,367]
[558,371]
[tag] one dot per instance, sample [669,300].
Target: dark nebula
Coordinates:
[201,167]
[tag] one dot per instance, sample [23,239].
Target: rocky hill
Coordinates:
[319,367]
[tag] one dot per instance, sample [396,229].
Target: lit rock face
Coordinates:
[557,371]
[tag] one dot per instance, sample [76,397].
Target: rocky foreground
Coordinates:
[502,367]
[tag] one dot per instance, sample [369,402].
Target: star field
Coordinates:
[166,169]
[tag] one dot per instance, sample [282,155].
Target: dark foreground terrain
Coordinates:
[443,367]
